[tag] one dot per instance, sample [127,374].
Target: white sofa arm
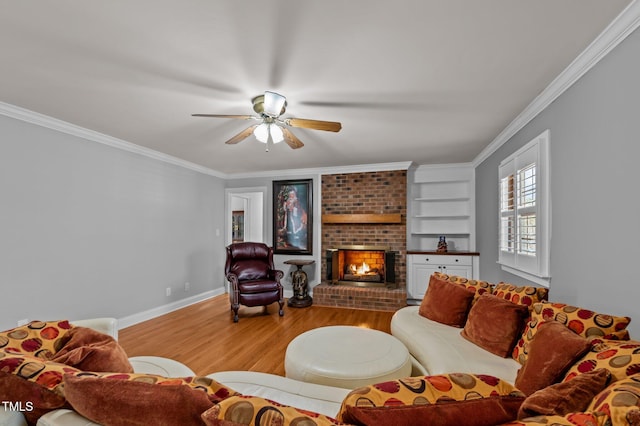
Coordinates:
[104,325]
[11,418]
[64,417]
[307,396]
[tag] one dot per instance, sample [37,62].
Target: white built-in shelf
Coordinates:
[441,202]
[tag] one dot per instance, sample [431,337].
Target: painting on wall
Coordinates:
[292,216]
[237,226]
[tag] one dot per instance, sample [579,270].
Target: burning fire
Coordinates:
[362,270]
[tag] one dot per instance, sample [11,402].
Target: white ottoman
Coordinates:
[346,356]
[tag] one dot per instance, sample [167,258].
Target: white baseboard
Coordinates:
[134,319]
[165,309]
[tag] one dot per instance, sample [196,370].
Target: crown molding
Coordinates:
[42,120]
[355,168]
[624,24]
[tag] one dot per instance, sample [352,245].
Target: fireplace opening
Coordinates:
[362,266]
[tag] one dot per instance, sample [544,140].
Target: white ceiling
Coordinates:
[429,81]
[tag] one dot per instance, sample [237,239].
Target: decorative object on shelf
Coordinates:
[300,281]
[442,245]
[292,216]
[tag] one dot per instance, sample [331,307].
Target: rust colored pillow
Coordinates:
[554,349]
[446,303]
[90,350]
[573,419]
[495,324]
[567,397]
[111,401]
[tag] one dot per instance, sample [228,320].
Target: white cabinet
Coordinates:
[420,266]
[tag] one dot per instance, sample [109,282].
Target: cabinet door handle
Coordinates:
[427,259]
[456,260]
[444,267]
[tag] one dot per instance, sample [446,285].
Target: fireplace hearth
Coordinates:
[361,266]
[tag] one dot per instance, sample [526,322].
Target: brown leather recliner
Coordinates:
[254,281]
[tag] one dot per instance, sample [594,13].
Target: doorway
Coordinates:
[245,209]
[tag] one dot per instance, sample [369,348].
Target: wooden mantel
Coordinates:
[362,218]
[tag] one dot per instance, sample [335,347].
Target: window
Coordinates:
[524,207]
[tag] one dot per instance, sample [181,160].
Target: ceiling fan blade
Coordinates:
[242,117]
[242,135]
[331,126]
[291,139]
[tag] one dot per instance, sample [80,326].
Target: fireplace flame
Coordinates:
[363,269]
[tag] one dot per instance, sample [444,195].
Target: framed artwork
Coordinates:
[293,216]
[237,226]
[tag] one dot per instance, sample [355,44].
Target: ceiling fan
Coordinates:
[271,128]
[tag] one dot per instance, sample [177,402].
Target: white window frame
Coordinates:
[533,266]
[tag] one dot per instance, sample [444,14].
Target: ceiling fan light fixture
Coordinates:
[273,103]
[276,133]
[262,132]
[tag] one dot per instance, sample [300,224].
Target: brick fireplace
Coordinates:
[363,201]
[362,266]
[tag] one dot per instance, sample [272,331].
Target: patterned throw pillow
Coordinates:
[620,401]
[584,322]
[447,397]
[621,358]
[479,287]
[252,410]
[38,338]
[29,379]
[573,419]
[522,295]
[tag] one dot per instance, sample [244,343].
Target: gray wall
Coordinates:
[595,149]
[89,230]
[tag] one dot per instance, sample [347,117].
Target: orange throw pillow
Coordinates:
[566,397]
[495,324]
[90,350]
[554,349]
[119,399]
[446,303]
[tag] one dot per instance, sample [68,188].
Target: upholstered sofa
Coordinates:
[560,365]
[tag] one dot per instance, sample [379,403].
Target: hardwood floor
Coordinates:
[205,338]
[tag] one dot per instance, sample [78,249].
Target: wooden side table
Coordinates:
[301,298]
